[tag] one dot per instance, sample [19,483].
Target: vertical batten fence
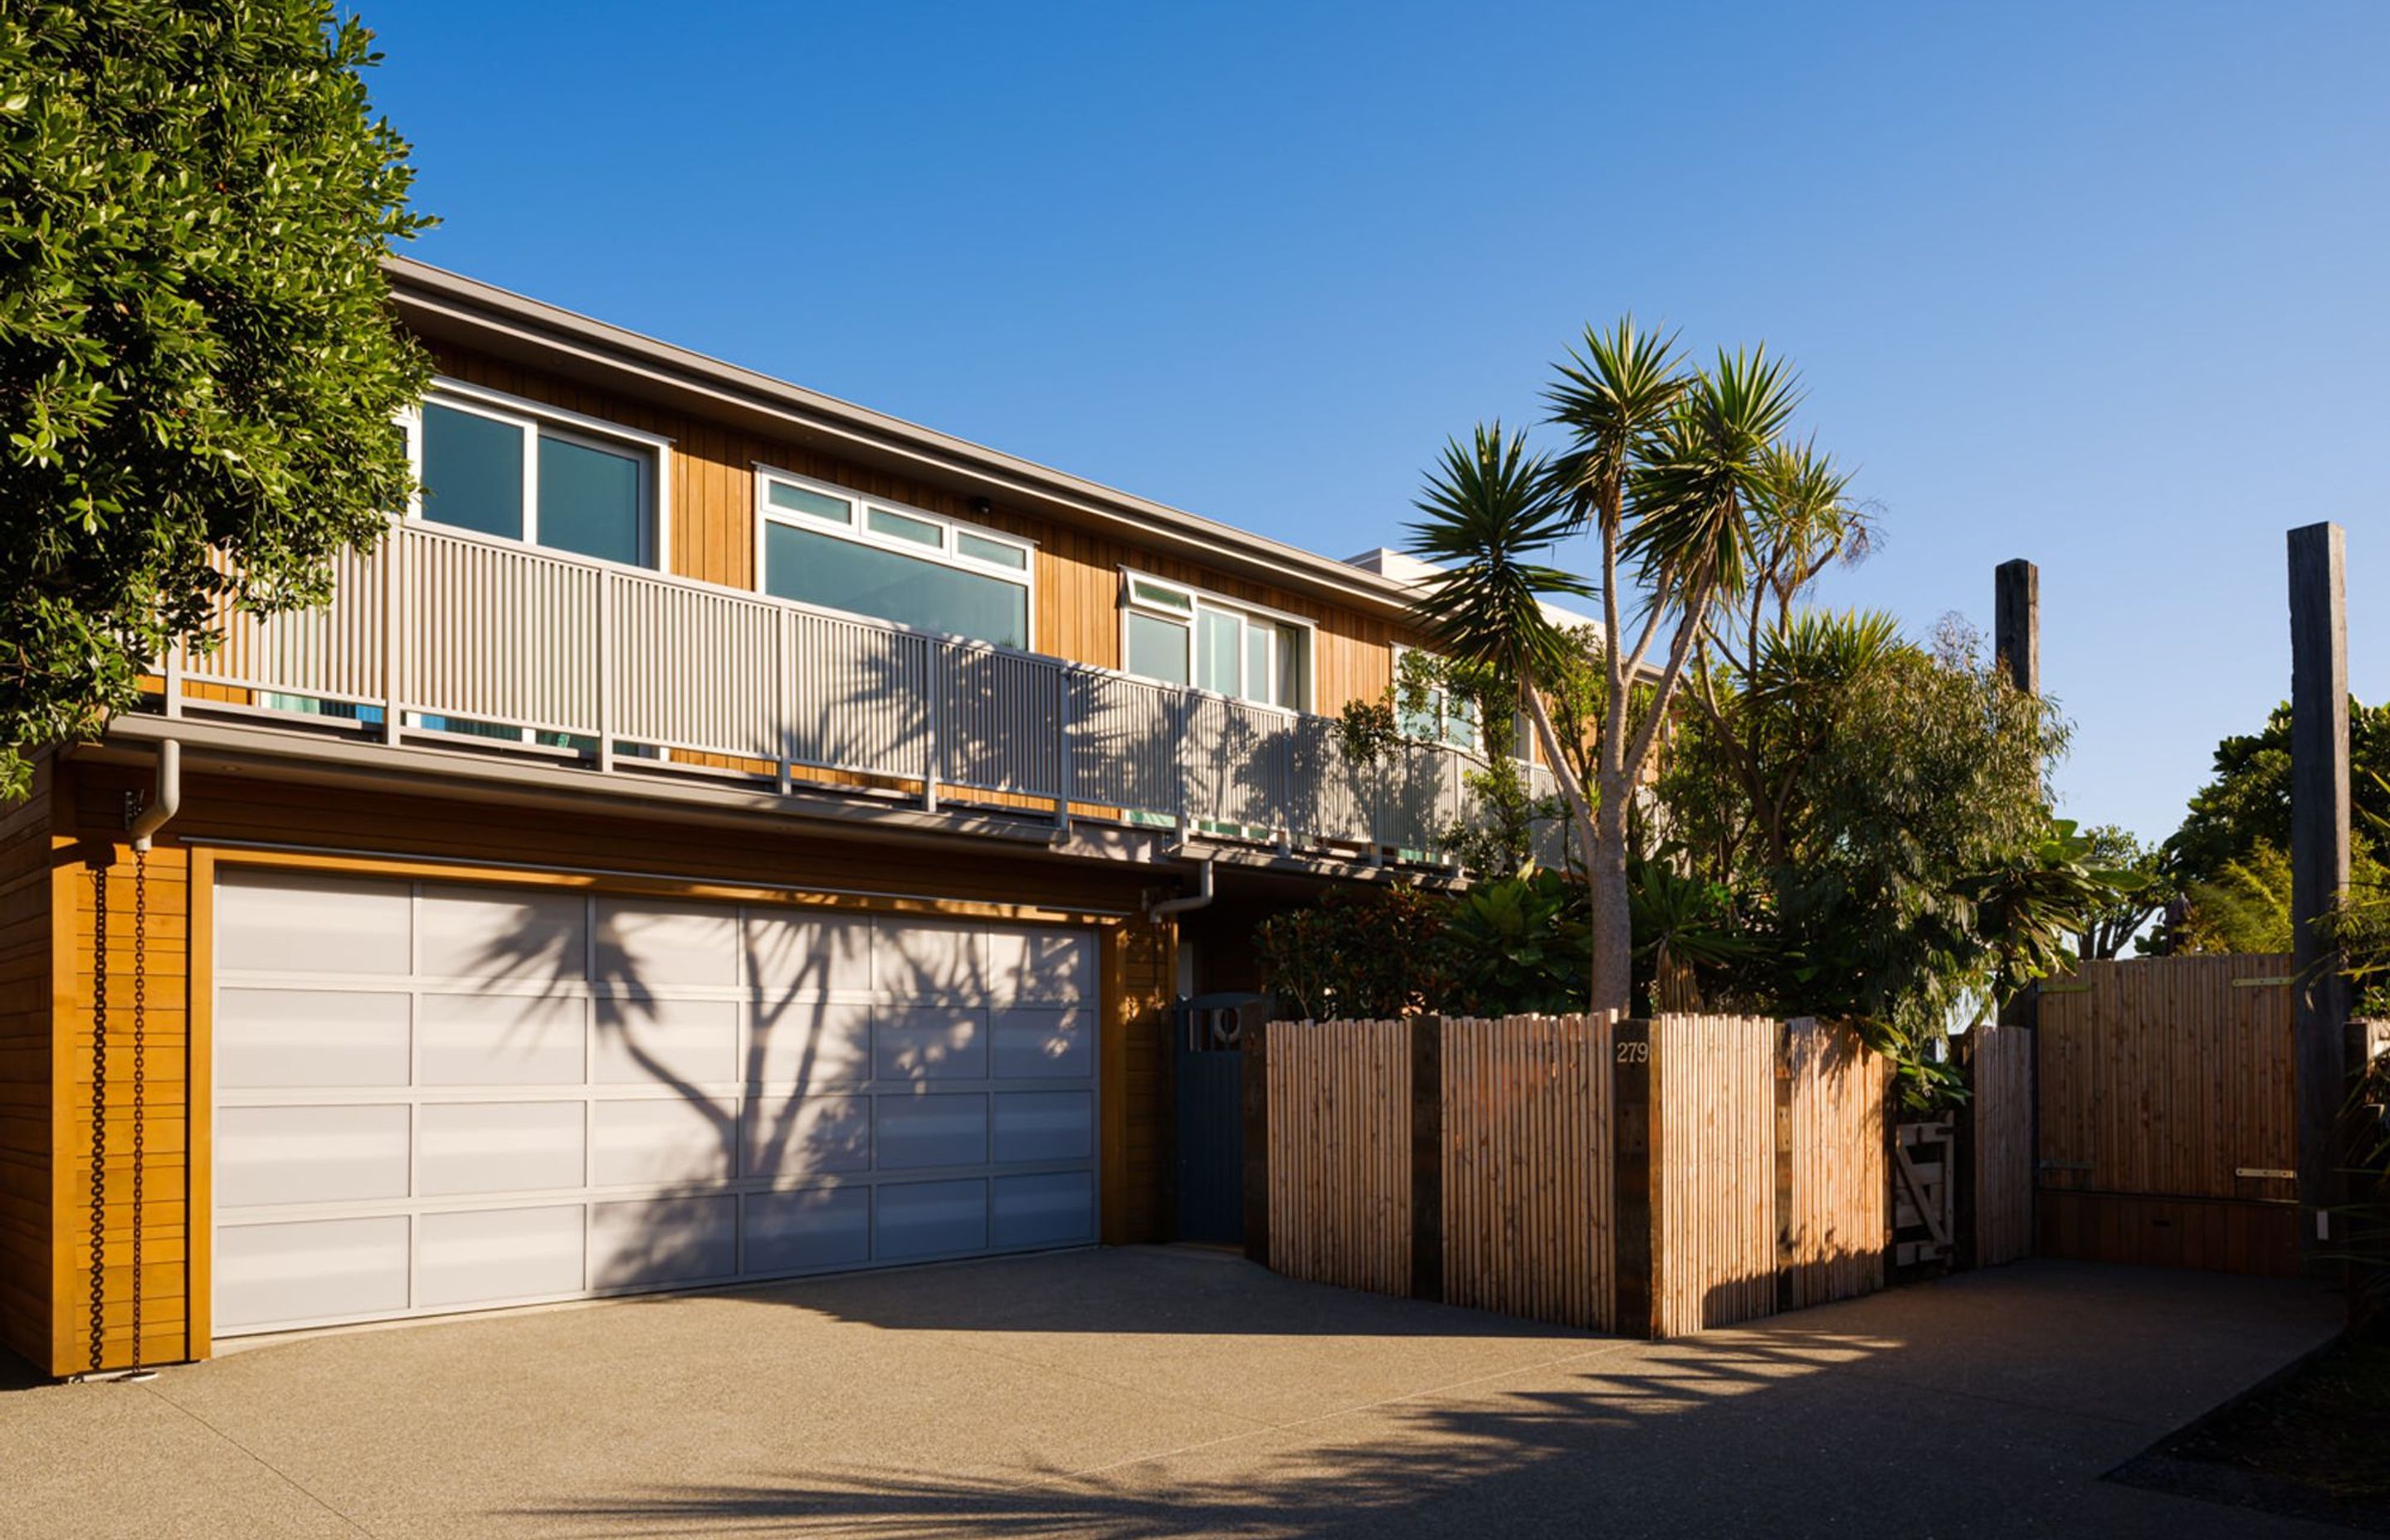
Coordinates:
[1527,1173]
[1340,1153]
[1998,1149]
[1649,1177]
[1835,1227]
[1713,1171]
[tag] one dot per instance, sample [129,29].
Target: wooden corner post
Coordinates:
[1427,1156]
[1257,1117]
[2318,857]
[1635,1197]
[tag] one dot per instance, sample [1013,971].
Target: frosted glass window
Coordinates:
[1220,653]
[834,510]
[979,548]
[311,1037]
[920,532]
[1156,648]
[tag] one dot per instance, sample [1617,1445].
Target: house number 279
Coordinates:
[1635,1053]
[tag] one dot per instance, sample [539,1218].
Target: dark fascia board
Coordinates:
[444,307]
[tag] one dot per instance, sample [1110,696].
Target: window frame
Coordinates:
[948,553]
[652,452]
[1200,600]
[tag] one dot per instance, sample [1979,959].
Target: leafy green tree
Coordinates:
[2108,930]
[2247,804]
[198,367]
[1358,953]
[1516,946]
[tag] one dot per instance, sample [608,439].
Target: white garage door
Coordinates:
[433,1096]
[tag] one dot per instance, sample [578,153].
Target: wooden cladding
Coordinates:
[27,1159]
[1633,1176]
[1836,1230]
[1526,1167]
[1075,573]
[1999,1146]
[1340,1153]
[2166,1114]
[1713,1171]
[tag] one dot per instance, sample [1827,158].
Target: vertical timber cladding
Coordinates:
[25,1135]
[45,1163]
[2168,1114]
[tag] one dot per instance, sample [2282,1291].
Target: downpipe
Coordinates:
[144,820]
[1170,908]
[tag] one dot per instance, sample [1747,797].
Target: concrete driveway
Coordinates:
[1172,1393]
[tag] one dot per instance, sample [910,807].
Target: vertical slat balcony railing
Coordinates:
[450,635]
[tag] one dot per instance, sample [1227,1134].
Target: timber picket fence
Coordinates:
[1649,1177]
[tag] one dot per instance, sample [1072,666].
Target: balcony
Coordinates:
[467,644]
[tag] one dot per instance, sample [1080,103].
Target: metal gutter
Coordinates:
[449,306]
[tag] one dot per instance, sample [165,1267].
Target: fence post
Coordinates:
[1427,1156]
[1787,1244]
[1256,1119]
[1634,1194]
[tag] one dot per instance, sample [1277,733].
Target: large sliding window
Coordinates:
[826,546]
[1185,636]
[511,469]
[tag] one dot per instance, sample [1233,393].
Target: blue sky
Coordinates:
[2099,285]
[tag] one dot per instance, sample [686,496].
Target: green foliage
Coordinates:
[2153,888]
[1516,946]
[1359,953]
[1491,510]
[1684,926]
[2248,802]
[1928,1082]
[2243,906]
[2033,900]
[196,350]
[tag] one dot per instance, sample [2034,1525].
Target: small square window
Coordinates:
[1160,597]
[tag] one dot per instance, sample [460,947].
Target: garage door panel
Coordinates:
[486,1095]
[317,1037]
[491,1255]
[654,944]
[312,1270]
[501,1147]
[913,1133]
[657,1140]
[1043,1125]
[811,1229]
[272,923]
[690,1042]
[924,1219]
[808,1045]
[922,961]
[663,1241]
[807,1136]
[1042,1209]
[929,1043]
[503,1039]
[1042,1042]
[282,1155]
[1040,966]
[791,957]
[503,935]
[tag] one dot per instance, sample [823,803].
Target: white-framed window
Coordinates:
[825,545]
[518,470]
[1439,718]
[1184,635]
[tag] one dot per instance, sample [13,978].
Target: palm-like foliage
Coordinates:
[1492,514]
[1611,395]
[1708,475]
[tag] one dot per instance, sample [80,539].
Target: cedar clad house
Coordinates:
[722,833]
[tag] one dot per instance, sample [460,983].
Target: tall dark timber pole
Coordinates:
[2318,853]
[2016,622]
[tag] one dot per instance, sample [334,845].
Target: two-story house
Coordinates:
[723,833]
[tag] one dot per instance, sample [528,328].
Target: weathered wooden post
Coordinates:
[2016,622]
[1255,1088]
[2318,857]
